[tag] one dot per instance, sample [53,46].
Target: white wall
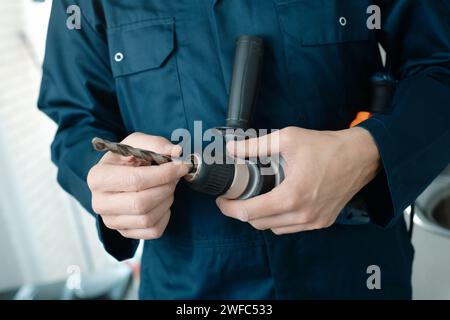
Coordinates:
[42,230]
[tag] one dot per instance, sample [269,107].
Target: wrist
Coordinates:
[363,152]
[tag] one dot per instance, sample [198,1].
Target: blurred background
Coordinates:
[48,245]
[47,242]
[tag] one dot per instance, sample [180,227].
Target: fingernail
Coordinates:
[183,168]
[172,150]
[177,150]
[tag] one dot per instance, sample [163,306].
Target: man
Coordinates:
[137,70]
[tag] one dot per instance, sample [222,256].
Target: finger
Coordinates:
[261,206]
[153,143]
[301,228]
[262,146]
[150,233]
[280,221]
[149,220]
[117,159]
[292,229]
[113,178]
[147,142]
[131,203]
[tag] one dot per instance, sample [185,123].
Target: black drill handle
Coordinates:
[245,81]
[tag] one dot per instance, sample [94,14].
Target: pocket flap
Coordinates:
[319,22]
[140,46]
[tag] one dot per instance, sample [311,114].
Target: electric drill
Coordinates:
[244,178]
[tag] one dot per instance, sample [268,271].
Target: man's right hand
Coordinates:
[133,199]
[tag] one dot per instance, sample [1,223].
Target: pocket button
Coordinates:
[343,21]
[118,57]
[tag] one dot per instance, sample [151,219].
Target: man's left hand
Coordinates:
[323,171]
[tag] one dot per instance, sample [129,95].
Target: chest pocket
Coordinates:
[328,52]
[143,62]
[140,46]
[322,22]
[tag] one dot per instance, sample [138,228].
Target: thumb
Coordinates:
[153,143]
[266,145]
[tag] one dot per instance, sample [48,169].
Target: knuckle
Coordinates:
[135,180]
[92,179]
[125,233]
[162,178]
[170,201]
[97,205]
[311,214]
[317,226]
[232,212]
[286,135]
[291,203]
[294,219]
[162,141]
[306,217]
[156,233]
[330,224]
[287,130]
[132,137]
[148,221]
[303,217]
[323,225]
[277,232]
[168,189]
[139,206]
[109,224]
[258,226]
[168,176]
[163,195]
[226,212]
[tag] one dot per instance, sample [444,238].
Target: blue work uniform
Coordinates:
[154,66]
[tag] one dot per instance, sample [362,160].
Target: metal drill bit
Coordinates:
[128,151]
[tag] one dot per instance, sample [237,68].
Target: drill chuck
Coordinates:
[233,178]
[213,179]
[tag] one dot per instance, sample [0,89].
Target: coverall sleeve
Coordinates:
[78,93]
[413,138]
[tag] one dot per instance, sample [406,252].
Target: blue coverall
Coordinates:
[176,67]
